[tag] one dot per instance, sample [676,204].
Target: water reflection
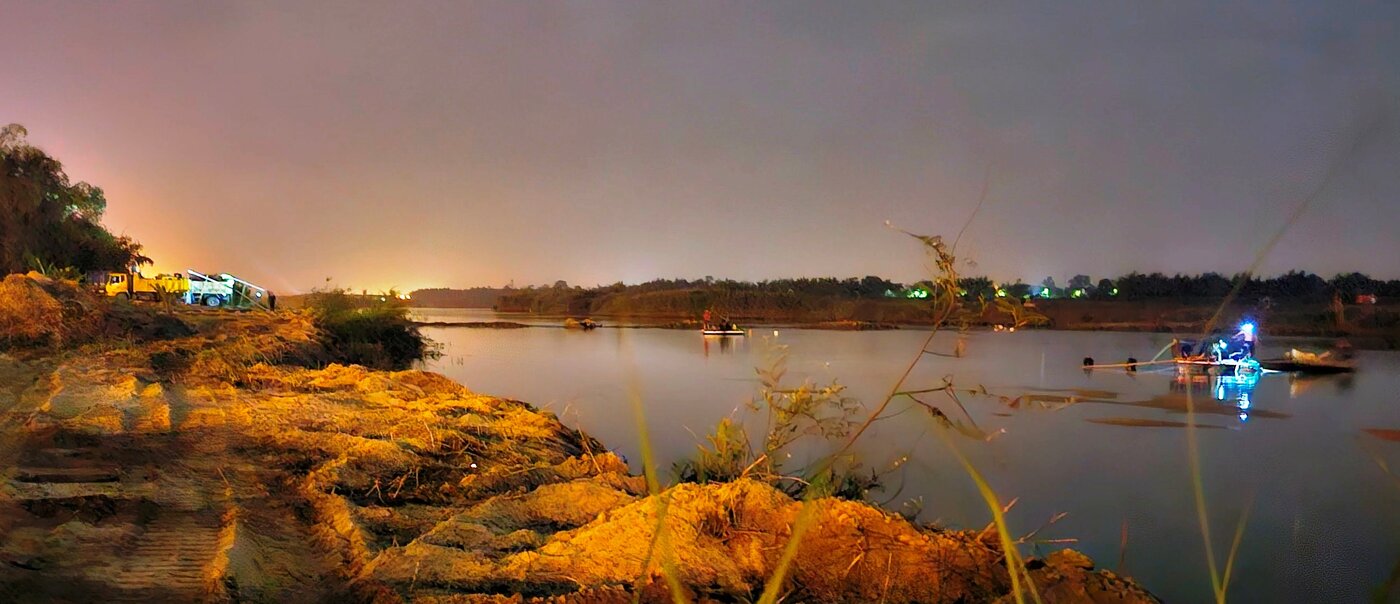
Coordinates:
[1230,390]
[721,344]
[1299,383]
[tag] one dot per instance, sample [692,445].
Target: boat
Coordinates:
[1220,367]
[584,324]
[1214,358]
[720,327]
[1298,361]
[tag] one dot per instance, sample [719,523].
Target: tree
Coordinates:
[977,286]
[875,287]
[1018,290]
[47,219]
[1104,289]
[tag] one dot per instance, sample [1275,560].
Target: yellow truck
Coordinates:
[135,286]
[213,290]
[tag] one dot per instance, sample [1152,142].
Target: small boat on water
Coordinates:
[1298,361]
[723,331]
[1233,357]
[1219,366]
[711,325]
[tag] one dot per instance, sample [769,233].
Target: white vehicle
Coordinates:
[224,290]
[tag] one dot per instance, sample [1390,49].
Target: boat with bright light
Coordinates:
[724,332]
[1233,357]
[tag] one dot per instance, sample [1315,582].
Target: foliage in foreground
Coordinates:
[374,334]
[798,422]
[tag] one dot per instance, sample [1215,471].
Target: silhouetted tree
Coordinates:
[46,218]
[1018,290]
[977,286]
[1104,289]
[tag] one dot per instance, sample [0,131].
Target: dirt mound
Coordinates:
[39,312]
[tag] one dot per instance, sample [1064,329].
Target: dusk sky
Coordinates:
[419,144]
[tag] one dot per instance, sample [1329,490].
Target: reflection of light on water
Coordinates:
[1235,391]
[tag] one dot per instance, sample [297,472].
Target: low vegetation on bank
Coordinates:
[373,332]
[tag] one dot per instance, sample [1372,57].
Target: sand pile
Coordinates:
[36,311]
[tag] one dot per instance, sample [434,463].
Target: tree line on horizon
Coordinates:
[1293,285]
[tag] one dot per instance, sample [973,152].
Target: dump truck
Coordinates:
[222,289]
[135,286]
[213,290]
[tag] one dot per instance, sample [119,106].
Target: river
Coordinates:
[1322,521]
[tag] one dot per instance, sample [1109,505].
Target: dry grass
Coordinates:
[39,312]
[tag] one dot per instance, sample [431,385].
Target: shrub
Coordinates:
[372,331]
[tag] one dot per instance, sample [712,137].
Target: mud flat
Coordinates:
[217,466]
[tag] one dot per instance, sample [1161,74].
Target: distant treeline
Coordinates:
[792,297]
[442,297]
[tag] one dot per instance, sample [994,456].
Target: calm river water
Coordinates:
[1324,518]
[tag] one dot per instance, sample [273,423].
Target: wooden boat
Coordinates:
[1224,367]
[1213,358]
[1298,361]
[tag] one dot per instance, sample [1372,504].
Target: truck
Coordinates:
[213,290]
[222,289]
[135,286]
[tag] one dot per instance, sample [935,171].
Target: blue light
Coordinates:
[1247,327]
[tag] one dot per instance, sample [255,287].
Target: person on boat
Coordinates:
[1244,340]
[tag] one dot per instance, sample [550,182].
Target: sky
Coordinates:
[449,144]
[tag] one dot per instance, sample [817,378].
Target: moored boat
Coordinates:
[721,327]
[1298,361]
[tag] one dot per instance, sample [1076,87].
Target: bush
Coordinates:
[371,331]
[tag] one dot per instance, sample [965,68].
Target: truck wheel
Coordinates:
[212,301]
[122,296]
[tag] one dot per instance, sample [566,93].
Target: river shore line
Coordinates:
[219,458]
[1289,336]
